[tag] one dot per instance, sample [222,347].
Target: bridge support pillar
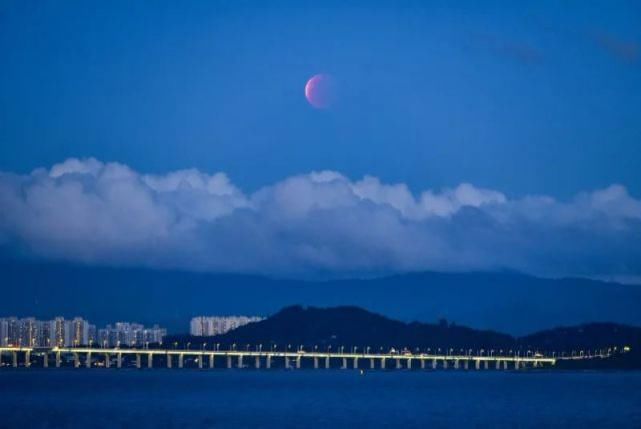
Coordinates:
[344,366]
[445,363]
[498,364]
[14,359]
[211,361]
[371,363]
[269,362]
[456,364]
[58,359]
[240,361]
[355,363]
[181,360]
[88,360]
[516,364]
[45,360]
[138,361]
[486,364]
[477,364]
[119,360]
[257,363]
[327,362]
[383,363]
[409,363]
[434,363]
[467,364]
[297,362]
[505,364]
[286,362]
[201,358]
[107,360]
[76,360]
[398,364]
[168,361]
[27,359]
[315,362]
[150,360]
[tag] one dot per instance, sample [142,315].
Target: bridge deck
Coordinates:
[302,354]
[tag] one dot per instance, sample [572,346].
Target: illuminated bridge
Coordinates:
[259,358]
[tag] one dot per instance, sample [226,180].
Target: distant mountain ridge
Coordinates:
[505,302]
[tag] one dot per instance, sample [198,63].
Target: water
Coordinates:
[80,398]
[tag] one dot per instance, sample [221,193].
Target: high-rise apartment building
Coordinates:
[4,332]
[30,332]
[130,334]
[215,325]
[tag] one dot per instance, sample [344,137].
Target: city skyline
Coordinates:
[61,332]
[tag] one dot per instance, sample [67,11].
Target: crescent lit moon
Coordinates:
[320,91]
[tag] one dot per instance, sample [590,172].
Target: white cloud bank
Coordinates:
[107,213]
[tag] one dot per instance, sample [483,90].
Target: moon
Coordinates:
[320,91]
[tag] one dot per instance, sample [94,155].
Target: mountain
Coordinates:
[502,301]
[336,327]
[353,326]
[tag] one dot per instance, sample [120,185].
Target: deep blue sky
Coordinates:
[528,99]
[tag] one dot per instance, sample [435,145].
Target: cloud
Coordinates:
[320,223]
[624,50]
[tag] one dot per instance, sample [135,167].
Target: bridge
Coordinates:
[118,357]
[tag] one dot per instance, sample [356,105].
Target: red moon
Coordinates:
[320,91]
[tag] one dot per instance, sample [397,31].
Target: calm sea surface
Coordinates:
[306,398]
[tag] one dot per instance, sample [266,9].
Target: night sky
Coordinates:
[483,136]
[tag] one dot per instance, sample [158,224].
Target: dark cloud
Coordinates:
[88,211]
[624,50]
